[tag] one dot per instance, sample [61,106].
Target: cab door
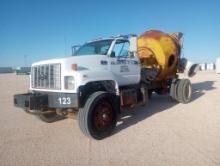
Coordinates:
[124,67]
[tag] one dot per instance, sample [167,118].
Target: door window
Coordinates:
[120,49]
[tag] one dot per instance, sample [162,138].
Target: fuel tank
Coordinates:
[160,52]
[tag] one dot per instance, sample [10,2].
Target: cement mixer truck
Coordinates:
[106,75]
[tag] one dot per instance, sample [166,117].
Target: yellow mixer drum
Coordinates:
[160,51]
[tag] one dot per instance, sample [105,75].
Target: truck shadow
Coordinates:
[200,88]
[156,104]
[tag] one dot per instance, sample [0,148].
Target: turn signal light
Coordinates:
[74,67]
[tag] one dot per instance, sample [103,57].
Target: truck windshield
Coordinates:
[97,47]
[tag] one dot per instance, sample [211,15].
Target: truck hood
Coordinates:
[83,61]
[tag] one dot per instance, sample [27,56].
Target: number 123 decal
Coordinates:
[64,100]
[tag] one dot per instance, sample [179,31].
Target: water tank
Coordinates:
[202,66]
[160,51]
[217,65]
[210,66]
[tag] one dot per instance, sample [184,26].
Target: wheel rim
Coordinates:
[103,116]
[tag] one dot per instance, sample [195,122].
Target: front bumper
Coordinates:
[39,101]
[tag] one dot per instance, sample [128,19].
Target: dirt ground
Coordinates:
[163,133]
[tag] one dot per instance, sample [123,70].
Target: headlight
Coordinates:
[69,82]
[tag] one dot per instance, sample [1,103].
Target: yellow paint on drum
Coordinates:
[160,51]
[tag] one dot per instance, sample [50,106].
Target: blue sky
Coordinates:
[43,29]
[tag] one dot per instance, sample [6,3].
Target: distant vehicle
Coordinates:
[210,66]
[6,70]
[217,66]
[203,66]
[105,75]
[23,71]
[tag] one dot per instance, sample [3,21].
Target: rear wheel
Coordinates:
[173,89]
[98,117]
[184,91]
[181,90]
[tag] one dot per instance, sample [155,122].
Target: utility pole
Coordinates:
[65,43]
[25,60]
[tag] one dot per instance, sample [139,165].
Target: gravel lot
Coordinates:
[162,133]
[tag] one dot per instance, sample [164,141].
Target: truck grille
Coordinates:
[46,76]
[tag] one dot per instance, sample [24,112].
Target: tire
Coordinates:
[184,91]
[50,117]
[97,119]
[173,89]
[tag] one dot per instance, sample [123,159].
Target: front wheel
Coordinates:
[97,119]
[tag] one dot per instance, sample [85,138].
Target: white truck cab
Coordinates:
[112,59]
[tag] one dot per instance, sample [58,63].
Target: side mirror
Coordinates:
[133,44]
[75,48]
